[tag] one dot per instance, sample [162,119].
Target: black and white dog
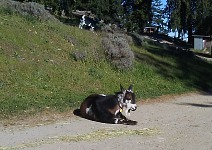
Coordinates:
[109,108]
[87,22]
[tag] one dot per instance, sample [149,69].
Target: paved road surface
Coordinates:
[174,123]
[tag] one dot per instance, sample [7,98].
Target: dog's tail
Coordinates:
[76,112]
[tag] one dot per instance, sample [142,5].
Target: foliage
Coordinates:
[190,16]
[129,14]
[39,73]
[28,9]
[185,16]
[136,14]
[158,18]
[118,50]
[203,18]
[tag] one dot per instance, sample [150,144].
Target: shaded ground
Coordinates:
[170,122]
[177,45]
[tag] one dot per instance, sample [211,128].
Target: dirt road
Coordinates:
[173,123]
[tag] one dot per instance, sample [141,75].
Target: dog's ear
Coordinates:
[122,89]
[130,87]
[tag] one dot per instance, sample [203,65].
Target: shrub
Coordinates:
[106,28]
[118,51]
[26,9]
[79,55]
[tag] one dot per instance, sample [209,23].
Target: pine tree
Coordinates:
[203,21]
[157,11]
[157,18]
[137,14]
[190,16]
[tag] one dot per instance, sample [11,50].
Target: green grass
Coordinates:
[39,73]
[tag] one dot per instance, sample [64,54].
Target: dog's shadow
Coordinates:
[76,112]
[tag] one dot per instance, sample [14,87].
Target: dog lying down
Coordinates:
[112,109]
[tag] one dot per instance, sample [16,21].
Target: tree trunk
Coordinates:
[190,39]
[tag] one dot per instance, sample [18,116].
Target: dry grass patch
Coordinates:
[95,135]
[108,133]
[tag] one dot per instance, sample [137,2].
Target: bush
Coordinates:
[106,28]
[118,51]
[26,9]
[79,55]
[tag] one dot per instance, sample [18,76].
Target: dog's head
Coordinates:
[127,100]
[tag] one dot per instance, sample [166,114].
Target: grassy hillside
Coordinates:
[39,73]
